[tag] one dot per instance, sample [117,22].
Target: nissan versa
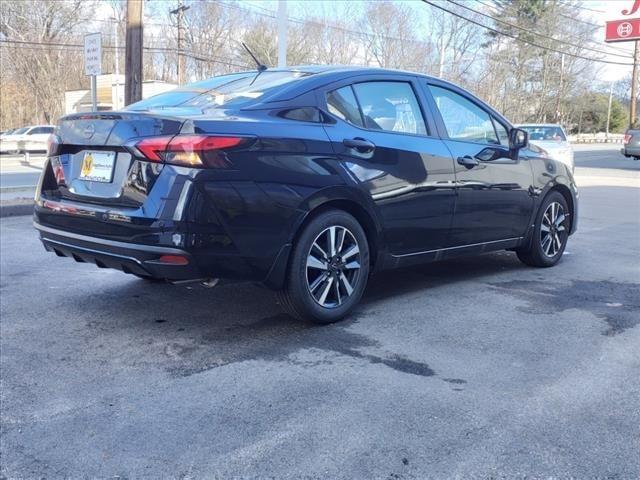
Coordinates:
[305,179]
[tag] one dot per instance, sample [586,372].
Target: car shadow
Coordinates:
[189,330]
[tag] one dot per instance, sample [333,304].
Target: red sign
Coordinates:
[622,30]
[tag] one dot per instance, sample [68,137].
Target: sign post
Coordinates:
[93,63]
[627,30]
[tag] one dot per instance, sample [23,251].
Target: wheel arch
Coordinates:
[350,200]
[360,213]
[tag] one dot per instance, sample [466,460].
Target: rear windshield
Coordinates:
[226,90]
[544,133]
[20,130]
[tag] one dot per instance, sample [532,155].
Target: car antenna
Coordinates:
[261,66]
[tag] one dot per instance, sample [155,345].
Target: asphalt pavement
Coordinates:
[472,368]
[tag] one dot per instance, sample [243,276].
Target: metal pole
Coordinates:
[133,53]
[282,33]
[558,115]
[180,56]
[609,109]
[117,66]
[94,94]
[441,69]
[634,86]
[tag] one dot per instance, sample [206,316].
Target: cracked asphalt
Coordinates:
[472,368]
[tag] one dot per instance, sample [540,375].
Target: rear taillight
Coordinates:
[189,150]
[627,138]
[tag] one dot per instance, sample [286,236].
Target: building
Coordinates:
[110,94]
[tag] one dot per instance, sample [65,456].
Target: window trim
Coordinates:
[428,120]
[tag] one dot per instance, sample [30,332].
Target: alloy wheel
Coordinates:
[551,228]
[333,266]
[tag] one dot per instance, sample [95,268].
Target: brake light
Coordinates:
[189,150]
[627,138]
[174,259]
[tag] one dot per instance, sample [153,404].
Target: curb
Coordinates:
[16,209]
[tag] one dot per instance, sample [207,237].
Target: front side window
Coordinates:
[463,119]
[390,106]
[342,103]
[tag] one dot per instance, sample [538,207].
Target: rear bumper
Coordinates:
[127,257]
[630,150]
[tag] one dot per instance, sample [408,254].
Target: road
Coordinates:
[472,368]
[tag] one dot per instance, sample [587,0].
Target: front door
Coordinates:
[494,200]
[382,136]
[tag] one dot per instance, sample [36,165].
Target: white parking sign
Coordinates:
[92,54]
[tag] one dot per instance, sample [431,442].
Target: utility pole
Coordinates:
[609,109]
[133,53]
[282,33]
[116,70]
[179,12]
[634,86]
[441,67]
[558,116]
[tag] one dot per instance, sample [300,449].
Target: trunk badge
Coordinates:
[89,130]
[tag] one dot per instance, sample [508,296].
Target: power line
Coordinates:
[75,46]
[574,19]
[527,42]
[581,7]
[538,34]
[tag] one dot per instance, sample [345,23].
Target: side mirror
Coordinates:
[518,139]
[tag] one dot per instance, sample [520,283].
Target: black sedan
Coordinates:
[305,179]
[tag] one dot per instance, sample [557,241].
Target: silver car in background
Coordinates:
[552,138]
[27,139]
[631,146]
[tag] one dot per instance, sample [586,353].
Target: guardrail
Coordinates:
[600,137]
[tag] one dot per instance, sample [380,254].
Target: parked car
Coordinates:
[551,138]
[27,139]
[631,146]
[8,140]
[306,179]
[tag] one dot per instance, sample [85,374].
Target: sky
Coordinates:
[596,11]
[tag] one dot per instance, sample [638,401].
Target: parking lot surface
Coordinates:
[477,367]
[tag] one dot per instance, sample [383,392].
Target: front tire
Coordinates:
[550,233]
[328,269]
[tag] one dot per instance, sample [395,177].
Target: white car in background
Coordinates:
[552,138]
[27,139]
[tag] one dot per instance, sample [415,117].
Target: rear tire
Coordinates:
[550,233]
[328,269]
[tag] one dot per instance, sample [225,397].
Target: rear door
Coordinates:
[384,138]
[494,200]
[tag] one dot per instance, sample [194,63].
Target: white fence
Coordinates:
[599,137]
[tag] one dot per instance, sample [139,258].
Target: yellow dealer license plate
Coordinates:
[97,166]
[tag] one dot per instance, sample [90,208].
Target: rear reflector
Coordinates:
[188,150]
[174,260]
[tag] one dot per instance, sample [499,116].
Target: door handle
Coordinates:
[468,161]
[359,144]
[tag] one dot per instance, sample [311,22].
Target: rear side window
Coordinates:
[342,103]
[463,119]
[390,106]
[41,130]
